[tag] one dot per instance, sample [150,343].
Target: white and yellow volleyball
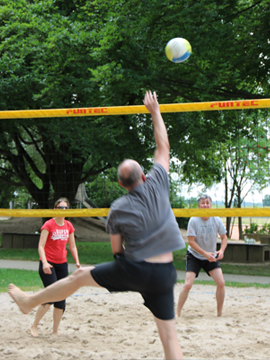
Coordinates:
[178,50]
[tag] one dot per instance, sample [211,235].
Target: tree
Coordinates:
[238,155]
[266,200]
[104,189]
[247,163]
[43,65]
[56,54]
[229,41]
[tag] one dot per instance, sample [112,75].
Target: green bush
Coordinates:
[254,229]
[265,229]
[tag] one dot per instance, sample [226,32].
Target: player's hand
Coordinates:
[150,101]
[220,254]
[211,257]
[47,268]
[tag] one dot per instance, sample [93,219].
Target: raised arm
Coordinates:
[162,152]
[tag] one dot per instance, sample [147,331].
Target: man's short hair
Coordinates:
[204,196]
[132,177]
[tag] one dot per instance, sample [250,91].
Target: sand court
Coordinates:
[99,325]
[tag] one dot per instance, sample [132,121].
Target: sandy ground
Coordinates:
[99,325]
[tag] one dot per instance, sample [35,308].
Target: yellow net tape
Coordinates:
[137,109]
[103,212]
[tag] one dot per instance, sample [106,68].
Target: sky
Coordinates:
[217,193]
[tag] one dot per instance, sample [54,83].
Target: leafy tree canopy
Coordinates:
[63,54]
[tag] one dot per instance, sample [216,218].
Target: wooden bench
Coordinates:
[20,241]
[262,238]
[246,253]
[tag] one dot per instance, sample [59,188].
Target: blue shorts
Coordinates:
[154,281]
[195,265]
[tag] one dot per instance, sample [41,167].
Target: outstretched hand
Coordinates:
[150,101]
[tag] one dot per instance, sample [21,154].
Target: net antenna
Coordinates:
[82,197]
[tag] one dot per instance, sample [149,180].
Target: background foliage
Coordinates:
[56,54]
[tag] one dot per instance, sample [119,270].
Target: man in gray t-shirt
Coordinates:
[144,234]
[202,236]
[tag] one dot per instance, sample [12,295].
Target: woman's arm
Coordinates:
[73,249]
[41,250]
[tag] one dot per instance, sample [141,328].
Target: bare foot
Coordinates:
[20,298]
[33,331]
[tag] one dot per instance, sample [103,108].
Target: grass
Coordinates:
[89,253]
[27,280]
[94,253]
[245,269]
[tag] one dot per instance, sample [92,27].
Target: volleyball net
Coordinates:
[137,109]
[49,151]
[103,212]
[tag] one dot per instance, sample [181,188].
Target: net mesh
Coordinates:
[47,154]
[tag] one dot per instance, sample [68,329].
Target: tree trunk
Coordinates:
[240,228]
[228,219]
[228,225]
[239,219]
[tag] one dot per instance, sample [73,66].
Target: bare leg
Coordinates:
[58,291]
[57,316]
[41,311]
[190,277]
[217,275]
[168,337]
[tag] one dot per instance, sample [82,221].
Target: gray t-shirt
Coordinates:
[205,232]
[145,219]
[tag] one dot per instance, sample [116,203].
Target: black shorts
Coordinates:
[154,281]
[195,265]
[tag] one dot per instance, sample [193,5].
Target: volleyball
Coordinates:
[178,50]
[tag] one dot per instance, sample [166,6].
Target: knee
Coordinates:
[220,284]
[75,276]
[78,275]
[168,334]
[188,286]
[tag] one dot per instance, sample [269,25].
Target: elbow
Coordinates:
[73,249]
[191,241]
[40,248]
